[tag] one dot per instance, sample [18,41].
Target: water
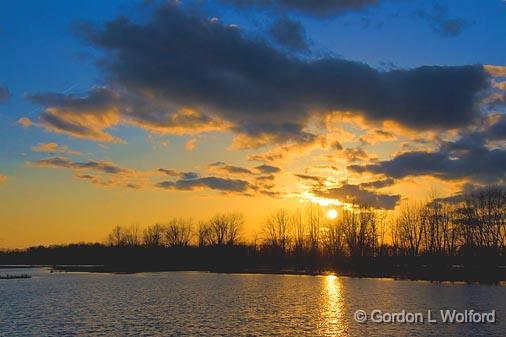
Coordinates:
[207,304]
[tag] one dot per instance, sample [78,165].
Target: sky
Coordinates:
[134,112]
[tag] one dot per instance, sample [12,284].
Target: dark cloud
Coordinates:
[310,7]
[4,94]
[468,157]
[358,195]
[100,173]
[498,130]
[231,169]
[179,72]
[182,175]
[497,100]
[472,191]
[314,179]
[169,172]
[267,169]
[354,154]
[189,175]
[101,166]
[378,183]
[440,23]
[336,145]
[215,183]
[289,34]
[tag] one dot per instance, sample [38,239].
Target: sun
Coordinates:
[332,213]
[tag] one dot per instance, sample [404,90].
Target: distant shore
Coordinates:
[457,274]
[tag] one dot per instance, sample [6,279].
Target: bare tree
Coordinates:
[178,232]
[224,228]
[333,238]
[116,237]
[482,218]
[204,234]
[153,236]
[410,228]
[299,231]
[276,229]
[132,235]
[314,218]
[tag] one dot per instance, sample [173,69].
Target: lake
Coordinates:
[208,304]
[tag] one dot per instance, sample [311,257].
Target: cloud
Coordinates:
[320,8]
[496,70]
[230,169]
[220,74]
[358,195]
[182,175]
[214,183]
[208,76]
[378,183]
[497,130]
[355,154]
[189,175]
[103,173]
[99,166]
[265,169]
[4,94]
[440,23]
[24,122]
[468,157]
[190,181]
[171,173]
[83,117]
[336,145]
[377,136]
[53,148]
[190,145]
[108,174]
[311,178]
[289,33]
[267,177]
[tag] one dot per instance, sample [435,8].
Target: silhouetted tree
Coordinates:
[178,232]
[224,228]
[153,236]
[276,229]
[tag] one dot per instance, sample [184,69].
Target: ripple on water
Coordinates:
[206,304]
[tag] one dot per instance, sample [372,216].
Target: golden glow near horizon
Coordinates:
[332,213]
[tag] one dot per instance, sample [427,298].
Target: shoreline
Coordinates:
[466,276]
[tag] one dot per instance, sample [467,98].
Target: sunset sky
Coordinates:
[122,112]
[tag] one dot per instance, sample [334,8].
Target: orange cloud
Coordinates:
[25,122]
[496,71]
[190,145]
[53,148]
[182,122]
[82,124]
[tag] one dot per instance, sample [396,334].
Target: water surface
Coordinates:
[208,304]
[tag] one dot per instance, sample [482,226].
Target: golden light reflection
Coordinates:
[332,318]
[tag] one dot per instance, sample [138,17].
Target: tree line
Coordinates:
[440,233]
[439,227]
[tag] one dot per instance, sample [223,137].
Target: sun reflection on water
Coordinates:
[332,318]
